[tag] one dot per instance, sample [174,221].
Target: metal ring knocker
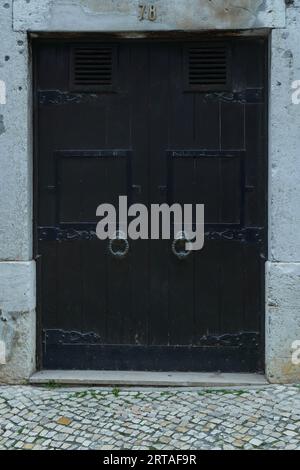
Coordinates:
[179,246]
[118,245]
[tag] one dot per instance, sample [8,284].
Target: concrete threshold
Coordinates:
[146,379]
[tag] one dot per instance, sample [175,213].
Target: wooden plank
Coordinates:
[159,250]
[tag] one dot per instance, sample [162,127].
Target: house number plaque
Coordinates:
[147,12]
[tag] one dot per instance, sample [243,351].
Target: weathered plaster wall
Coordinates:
[17,320]
[122,15]
[283,269]
[17,271]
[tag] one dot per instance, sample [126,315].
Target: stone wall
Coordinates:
[283,268]
[123,15]
[17,269]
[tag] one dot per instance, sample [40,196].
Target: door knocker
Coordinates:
[179,246]
[118,245]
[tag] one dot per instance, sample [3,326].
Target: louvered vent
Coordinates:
[208,67]
[93,68]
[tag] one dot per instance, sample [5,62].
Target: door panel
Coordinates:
[160,122]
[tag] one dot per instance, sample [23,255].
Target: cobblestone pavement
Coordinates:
[162,419]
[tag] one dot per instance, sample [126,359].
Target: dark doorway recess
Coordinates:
[158,121]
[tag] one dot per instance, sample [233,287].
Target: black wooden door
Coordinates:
[159,122]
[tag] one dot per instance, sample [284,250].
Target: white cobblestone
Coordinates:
[193,419]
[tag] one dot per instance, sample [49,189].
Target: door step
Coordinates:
[145,379]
